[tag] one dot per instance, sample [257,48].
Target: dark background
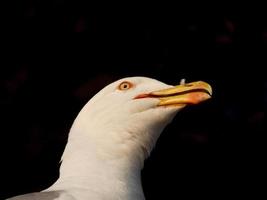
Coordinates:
[57,54]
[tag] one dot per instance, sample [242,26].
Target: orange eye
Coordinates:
[125,85]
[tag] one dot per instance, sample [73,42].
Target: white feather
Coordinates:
[109,141]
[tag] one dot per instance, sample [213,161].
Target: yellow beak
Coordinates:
[181,95]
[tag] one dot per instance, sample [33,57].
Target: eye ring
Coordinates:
[125,85]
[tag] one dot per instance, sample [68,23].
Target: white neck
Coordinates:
[87,172]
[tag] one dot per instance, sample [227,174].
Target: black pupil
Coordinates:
[125,86]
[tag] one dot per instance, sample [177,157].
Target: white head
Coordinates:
[127,116]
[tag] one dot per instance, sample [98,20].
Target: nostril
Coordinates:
[188,85]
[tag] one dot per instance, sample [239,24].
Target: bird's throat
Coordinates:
[84,168]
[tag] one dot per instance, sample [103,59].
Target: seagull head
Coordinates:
[126,117]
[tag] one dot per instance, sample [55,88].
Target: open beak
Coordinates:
[181,95]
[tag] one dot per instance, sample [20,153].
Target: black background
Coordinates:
[57,54]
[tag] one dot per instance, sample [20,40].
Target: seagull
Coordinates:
[112,136]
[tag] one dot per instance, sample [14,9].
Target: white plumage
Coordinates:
[113,134]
